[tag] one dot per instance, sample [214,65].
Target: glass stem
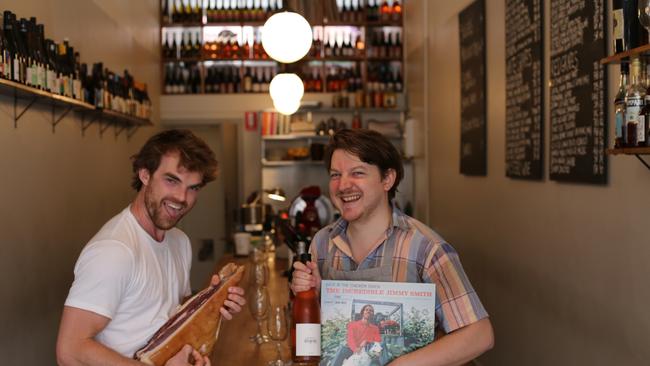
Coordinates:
[279,348]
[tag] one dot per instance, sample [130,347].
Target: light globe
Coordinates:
[286,86]
[286,37]
[286,106]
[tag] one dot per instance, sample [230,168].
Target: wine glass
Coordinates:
[278,330]
[644,15]
[259,274]
[258,304]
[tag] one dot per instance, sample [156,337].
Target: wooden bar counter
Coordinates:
[233,346]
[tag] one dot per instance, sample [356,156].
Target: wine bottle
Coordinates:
[634,35]
[634,99]
[305,328]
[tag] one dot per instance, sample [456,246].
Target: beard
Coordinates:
[156,211]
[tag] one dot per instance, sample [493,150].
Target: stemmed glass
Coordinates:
[644,15]
[278,330]
[259,274]
[258,304]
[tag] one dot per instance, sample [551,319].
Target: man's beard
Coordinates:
[155,211]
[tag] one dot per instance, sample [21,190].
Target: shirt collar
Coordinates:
[399,220]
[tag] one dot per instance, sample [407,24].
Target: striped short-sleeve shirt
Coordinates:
[420,255]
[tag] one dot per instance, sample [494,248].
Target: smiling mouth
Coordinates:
[350,197]
[175,208]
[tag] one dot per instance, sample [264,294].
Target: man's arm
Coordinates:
[456,348]
[76,344]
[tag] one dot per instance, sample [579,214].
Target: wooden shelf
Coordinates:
[351,110]
[65,105]
[184,25]
[182,59]
[283,163]
[625,56]
[629,151]
[296,137]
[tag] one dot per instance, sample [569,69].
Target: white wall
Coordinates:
[57,189]
[561,268]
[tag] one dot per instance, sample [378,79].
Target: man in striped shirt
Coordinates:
[375,241]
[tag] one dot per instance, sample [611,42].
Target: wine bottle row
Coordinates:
[179,45]
[356,11]
[190,79]
[215,11]
[28,58]
[337,43]
[224,11]
[186,78]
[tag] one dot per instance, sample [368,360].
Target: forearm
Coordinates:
[456,348]
[89,352]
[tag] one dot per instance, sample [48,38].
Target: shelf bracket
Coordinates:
[132,132]
[55,121]
[102,128]
[642,161]
[119,130]
[18,115]
[85,125]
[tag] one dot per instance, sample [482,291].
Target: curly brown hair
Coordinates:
[372,148]
[195,155]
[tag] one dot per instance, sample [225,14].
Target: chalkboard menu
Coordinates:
[524,88]
[471,22]
[578,91]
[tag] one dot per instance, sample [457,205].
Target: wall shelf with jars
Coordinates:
[357,46]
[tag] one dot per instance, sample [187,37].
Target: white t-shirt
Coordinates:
[127,276]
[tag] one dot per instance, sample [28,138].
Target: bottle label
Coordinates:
[307,339]
[619,123]
[640,129]
[633,107]
[617,20]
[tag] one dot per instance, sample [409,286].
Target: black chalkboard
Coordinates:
[578,91]
[524,89]
[471,22]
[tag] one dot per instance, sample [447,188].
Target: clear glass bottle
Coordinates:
[634,100]
[619,106]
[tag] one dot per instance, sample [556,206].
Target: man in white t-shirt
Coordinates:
[134,272]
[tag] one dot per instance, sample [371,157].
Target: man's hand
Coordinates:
[305,277]
[235,300]
[182,358]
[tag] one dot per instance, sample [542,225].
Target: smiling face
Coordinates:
[357,189]
[170,192]
[367,312]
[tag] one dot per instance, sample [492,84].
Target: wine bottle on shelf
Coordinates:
[385,11]
[2,55]
[196,45]
[634,34]
[643,115]
[248,81]
[305,327]
[164,8]
[396,11]
[634,98]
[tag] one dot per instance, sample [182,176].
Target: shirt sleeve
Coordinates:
[457,304]
[101,277]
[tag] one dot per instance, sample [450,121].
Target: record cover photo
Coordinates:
[372,323]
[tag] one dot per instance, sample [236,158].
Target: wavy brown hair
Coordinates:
[195,155]
[372,148]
